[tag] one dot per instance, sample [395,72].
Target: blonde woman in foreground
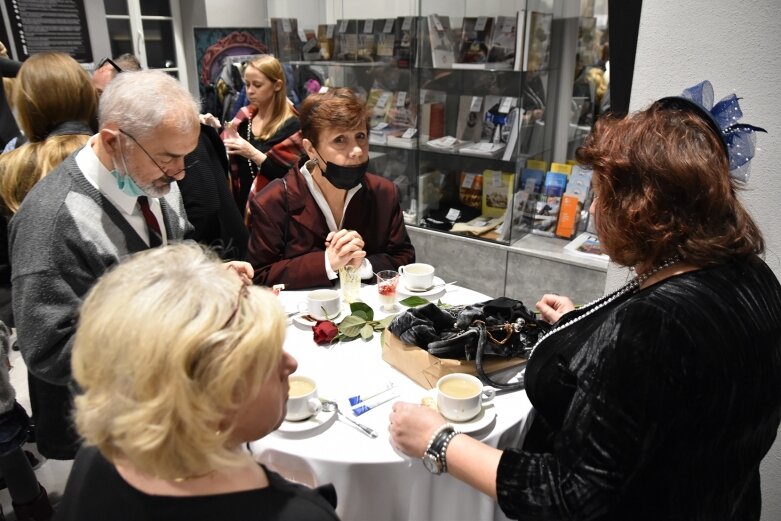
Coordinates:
[180,363]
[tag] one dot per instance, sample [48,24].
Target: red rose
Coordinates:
[324,332]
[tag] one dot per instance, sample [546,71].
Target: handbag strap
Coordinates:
[481,340]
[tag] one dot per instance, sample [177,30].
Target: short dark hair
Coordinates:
[664,189]
[339,108]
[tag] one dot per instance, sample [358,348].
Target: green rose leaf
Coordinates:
[351,326]
[413,301]
[367,332]
[382,324]
[361,313]
[365,308]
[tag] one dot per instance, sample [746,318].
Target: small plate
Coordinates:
[309,427]
[305,322]
[437,288]
[485,418]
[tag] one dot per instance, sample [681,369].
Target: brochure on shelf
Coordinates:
[475,39]
[470,189]
[497,191]
[504,42]
[536,47]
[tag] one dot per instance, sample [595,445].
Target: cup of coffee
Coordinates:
[417,276]
[460,396]
[302,401]
[323,304]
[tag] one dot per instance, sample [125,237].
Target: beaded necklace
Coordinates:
[252,172]
[592,307]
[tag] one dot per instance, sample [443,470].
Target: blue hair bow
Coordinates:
[738,138]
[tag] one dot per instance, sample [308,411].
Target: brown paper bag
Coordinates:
[425,369]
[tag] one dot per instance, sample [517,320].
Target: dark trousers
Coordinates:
[52,407]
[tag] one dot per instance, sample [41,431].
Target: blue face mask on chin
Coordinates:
[126,184]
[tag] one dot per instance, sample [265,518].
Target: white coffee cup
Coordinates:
[323,304]
[302,401]
[417,276]
[460,396]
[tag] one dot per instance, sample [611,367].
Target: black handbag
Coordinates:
[502,327]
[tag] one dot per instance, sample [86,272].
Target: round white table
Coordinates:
[373,481]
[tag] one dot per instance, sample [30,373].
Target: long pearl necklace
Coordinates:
[594,306]
[252,172]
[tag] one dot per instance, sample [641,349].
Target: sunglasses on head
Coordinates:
[116,67]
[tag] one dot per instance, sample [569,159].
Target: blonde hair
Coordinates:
[51,89]
[272,69]
[169,346]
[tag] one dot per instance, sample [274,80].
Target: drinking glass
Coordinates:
[350,281]
[386,287]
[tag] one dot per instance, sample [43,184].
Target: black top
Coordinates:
[269,168]
[659,405]
[207,199]
[96,491]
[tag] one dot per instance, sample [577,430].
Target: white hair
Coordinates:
[139,101]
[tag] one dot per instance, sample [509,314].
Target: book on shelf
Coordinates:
[367,40]
[569,214]
[561,168]
[536,47]
[470,189]
[548,204]
[504,48]
[346,40]
[441,43]
[475,39]
[325,39]
[430,191]
[404,41]
[533,176]
[385,33]
[378,103]
[586,245]
[407,139]
[513,128]
[378,134]
[497,191]
[402,113]
[431,114]
[469,126]
[448,144]
[579,183]
[285,39]
[310,50]
[482,149]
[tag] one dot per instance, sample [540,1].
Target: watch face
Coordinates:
[431,462]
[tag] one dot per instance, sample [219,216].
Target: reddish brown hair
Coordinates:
[663,187]
[340,109]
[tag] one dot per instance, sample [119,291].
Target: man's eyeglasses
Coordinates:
[104,61]
[163,170]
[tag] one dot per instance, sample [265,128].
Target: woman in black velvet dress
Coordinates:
[657,401]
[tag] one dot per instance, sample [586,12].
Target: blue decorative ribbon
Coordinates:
[738,138]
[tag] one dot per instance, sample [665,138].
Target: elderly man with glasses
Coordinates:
[112,198]
[108,69]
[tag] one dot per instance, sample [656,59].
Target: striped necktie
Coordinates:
[152,226]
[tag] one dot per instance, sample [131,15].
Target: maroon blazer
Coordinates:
[288,231]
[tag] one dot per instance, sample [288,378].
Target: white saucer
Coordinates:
[486,416]
[303,320]
[309,427]
[437,288]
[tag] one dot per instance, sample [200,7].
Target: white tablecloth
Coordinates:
[373,481]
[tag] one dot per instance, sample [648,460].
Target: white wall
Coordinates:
[236,13]
[738,48]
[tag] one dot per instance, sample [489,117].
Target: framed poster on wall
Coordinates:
[49,25]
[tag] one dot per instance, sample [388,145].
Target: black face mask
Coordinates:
[344,177]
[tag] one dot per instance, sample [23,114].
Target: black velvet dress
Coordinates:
[658,406]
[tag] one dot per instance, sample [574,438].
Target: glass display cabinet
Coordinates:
[476,107]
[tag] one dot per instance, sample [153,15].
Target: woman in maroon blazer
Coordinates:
[328,212]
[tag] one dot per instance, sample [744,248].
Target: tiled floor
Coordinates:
[52,474]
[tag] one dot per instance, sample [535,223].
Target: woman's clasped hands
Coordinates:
[344,247]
